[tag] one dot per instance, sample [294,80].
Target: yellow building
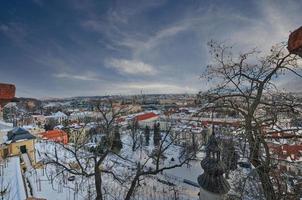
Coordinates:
[19,141]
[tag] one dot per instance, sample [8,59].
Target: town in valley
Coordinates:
[108,100]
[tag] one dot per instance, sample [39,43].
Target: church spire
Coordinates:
[212,181]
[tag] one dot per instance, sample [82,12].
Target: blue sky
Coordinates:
[61,48]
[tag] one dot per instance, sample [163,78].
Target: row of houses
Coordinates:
[20,141]
[288,157]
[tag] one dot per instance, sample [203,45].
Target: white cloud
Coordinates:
[83,77]
[273,27]
[134,67]
[139,45]
[14,31]
[153,87]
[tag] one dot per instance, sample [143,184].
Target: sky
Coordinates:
[64,48]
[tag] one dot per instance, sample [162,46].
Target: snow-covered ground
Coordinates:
[5,126]
[11,179]
[51,182]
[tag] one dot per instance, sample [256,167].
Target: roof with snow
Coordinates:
[285,151]
[55,135]
[58,114]
[283,135]
[19,134]
[146,116]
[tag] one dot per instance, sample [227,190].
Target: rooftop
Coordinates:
[146,116]
[53,133]
[19,134]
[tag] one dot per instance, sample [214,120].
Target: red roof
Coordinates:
[146,116]
[120,119]
[207,122]
[55,135]
[282,135]
[284,151]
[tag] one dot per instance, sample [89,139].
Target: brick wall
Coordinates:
[7,91]
[295,42]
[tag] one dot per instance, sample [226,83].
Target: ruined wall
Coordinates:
[295,42]
[7,93]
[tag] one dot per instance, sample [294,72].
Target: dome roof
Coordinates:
[215,184]
[212,179]
[213,166]
[213,144]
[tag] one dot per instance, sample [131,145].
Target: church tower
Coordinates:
[213,186]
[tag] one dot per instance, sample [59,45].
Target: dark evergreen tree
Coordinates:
[117,143]
[156,135]
[50,125]
[194,142]
[134,127]
[229,156]
[147,135]
[6,115]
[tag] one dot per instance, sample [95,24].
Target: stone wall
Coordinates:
[295,42]
[7,93]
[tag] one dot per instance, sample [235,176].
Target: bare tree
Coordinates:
[157,157]
[86,160]
[101,160]
[246,85]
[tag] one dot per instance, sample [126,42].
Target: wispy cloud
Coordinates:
[14,31]
[133,67]
[138,45]
[82,77]
[273,26]
[39,2]
[151,87]
[160,44]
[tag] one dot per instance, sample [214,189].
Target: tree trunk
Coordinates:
[262,171]
[133,145]
[267,184]
[98,183]
[132,188]
[261,168]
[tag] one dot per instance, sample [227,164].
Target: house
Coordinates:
[288,157]
[55,136]
[146,119]
[38,119]
[58,116]
[19,141]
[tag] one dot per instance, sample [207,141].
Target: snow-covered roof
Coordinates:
[18,134]
[58,114]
